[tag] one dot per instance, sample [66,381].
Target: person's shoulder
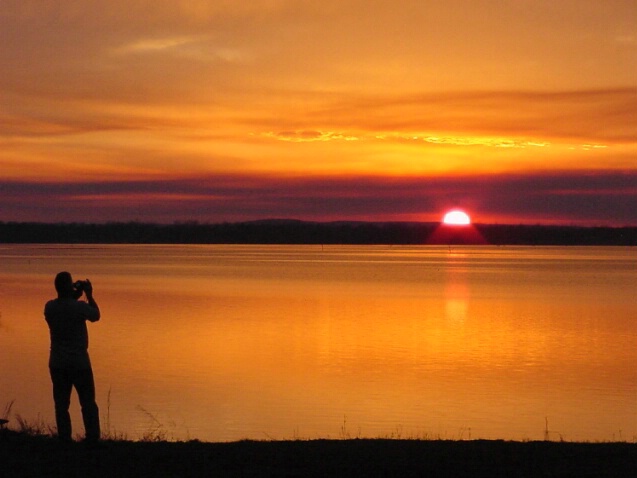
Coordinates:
[52,308]
[60,303]
[50,303]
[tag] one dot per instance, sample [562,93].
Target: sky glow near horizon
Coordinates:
[517,112]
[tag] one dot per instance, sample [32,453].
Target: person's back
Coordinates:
[69,362]
[69,335]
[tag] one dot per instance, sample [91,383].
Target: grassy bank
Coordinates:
[26,455]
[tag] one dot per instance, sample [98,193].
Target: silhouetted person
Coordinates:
[69,361]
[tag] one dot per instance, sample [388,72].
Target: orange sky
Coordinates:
[520,111]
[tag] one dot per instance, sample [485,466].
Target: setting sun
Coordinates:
[456,218]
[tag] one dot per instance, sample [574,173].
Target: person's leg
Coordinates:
[85,386]
[62,385]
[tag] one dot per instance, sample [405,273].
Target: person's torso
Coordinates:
[69,335]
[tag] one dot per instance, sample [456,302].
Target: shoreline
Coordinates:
[294,232]
[24,455]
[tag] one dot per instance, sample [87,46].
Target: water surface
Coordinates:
[232,342]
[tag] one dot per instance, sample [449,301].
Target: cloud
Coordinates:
[187,47]
[306,136]
[131,89]
[456,133]
[312,136]
[599,115]
[590,198]
[627,40]
[150,45]
[197,48]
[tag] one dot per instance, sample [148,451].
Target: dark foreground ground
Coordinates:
[28,456]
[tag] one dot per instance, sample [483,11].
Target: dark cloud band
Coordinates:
[587,198]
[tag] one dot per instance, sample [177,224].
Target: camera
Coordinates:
[80,285]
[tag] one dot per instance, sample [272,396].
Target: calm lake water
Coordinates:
[283,342]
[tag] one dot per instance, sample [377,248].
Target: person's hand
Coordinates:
[88,288]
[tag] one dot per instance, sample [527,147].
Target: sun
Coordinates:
[456,218]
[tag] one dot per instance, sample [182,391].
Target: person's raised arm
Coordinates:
[88,290]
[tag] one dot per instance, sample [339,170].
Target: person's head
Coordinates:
[64,284]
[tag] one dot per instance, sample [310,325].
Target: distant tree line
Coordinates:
[303,232]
